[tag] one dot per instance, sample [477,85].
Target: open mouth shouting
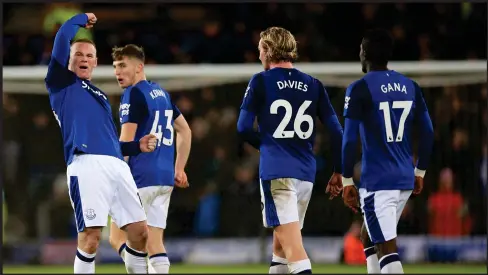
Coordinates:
[83,67]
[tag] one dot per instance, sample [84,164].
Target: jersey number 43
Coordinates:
[156,129]
[385,107]
[300,118]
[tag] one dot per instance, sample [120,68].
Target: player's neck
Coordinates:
[139,78]
[285,65]
[372,68]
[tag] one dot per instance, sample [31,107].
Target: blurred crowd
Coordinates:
[223,198]
[228,33]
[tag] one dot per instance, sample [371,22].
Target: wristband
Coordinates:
[419,173]
[347,182]
[131,148]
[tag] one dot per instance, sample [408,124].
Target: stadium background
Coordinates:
[218,219]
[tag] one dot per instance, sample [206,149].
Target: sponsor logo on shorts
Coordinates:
[90,214]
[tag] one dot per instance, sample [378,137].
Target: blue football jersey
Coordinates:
[385,103]
[81,109]
[150,107]
[286,102]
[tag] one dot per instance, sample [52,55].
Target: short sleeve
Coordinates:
[357,100]
[324,108]
[420,106]
[133,107]
[176,111]
[253,95]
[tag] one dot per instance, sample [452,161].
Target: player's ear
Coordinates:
[96,62]
[140,67]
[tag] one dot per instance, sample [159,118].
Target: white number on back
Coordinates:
[157,129]
[300,118]
[169,117]
[385,107]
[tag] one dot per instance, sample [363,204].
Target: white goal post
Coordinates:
[30,79]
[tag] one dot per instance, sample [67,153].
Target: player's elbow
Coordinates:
[426,125]
[185,132]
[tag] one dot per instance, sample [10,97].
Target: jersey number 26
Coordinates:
[300,118]
[156,129]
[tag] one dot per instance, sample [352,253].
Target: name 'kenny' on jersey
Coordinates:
[286,102]
[148,105]
[386,103]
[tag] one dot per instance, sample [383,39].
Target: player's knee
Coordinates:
[137,232]
[155,240]
[89,240]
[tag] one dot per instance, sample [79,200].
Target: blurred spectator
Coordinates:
[241,196]
[43,162]
[11,138]
[232,35]
[353,247]
[447,209]
[207,215]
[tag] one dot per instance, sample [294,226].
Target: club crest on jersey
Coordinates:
[396,87]
[90,214]
[98,93]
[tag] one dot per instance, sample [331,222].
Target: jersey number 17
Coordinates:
[156,129]
[385,107]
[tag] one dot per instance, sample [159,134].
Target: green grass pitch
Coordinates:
[253,269]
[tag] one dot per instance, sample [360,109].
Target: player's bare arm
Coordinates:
[183,146]
[128,132]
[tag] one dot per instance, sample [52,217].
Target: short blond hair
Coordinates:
[279,44]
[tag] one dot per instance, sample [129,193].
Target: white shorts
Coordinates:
[382,211]
[100,186]
[284,201]
[155,200]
